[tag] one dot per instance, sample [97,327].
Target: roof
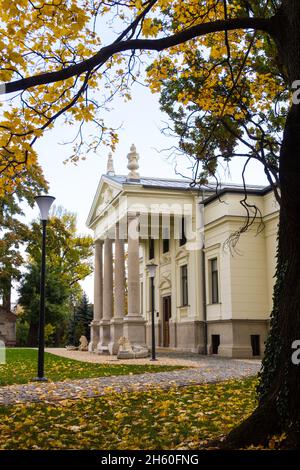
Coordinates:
[152,182]
[238,189]
[183,184]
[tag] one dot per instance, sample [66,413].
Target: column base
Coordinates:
[189,336]
[116,331]
[104,337]
[134,329]
[235,337]
[241,352]
[94,328]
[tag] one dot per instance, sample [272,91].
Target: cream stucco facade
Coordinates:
[209,297]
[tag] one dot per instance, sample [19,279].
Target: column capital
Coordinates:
[133,229]
[132,214]
[98,243]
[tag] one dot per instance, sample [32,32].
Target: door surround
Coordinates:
[166,315]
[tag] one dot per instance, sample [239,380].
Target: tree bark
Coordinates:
[105,53]
[7,297]
[279,389]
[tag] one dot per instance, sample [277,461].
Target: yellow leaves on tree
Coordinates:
[38,37]
[213,74]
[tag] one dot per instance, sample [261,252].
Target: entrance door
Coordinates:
[215,343]
[166,318]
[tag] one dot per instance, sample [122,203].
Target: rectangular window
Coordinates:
[255,345]
[165,239]
[182,240]
[214,281]
[184,285]
[166,245]
[151,248]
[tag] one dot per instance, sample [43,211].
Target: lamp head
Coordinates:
[151,267]
[44,203]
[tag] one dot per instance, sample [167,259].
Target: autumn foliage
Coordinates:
[63,58]
[226,71]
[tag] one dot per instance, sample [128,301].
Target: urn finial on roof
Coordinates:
[133,164]
[110,165]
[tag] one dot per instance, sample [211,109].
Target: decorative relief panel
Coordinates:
[105,199]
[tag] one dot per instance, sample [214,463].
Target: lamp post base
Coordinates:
[40,379]
[153,359]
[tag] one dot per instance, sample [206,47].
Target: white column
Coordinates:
[119,310]
[116,325]
[108,280]
[134,323]
[107,297]
[133,267]
[98,296]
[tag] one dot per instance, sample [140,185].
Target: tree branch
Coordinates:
[262,24]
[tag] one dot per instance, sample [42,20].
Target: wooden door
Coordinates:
[166,318]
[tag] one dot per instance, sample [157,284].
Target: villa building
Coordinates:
[210,297]
[7,327]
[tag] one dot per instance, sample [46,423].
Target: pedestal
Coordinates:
[116,331]
[94,328]
[104,339]
[134,329]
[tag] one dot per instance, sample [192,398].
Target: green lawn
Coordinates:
[21,367]
[183,417]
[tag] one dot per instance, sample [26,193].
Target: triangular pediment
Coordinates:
[106,192]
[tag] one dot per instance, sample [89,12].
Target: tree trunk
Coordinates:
[279,390]
[7,297]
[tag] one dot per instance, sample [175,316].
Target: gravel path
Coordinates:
[209,370]
[165,357]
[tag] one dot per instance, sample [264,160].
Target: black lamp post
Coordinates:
[44,203]
[151,270]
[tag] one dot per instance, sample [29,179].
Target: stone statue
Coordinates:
[140,351]
[110,165]
[127,351]
[133,164]
[124,344]
[84,344]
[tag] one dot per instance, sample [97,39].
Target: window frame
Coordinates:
[184,286]
[164,241]
[151,249]
[255,345]
[214,281]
